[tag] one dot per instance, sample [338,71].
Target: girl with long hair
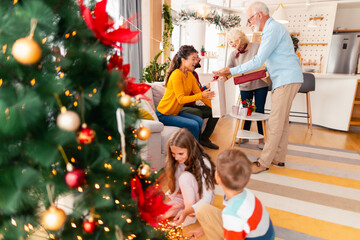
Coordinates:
[191,177]
[180,83]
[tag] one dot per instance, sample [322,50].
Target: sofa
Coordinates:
[155,150]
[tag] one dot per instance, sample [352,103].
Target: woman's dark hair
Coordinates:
[194,164]
[184,52]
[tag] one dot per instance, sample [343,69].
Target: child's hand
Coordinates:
[180,217]
[196,233]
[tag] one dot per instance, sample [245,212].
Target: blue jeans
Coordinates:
[260,98]
[183,120]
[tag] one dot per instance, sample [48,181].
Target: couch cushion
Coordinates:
[158,91]
[165,135]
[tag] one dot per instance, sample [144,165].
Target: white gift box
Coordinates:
[218,102]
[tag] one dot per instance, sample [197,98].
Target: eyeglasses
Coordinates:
[249,20]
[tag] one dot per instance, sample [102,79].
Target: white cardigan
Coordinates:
[208,195]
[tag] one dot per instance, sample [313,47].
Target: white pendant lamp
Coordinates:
[280,15]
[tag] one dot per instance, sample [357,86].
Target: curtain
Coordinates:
[131,53]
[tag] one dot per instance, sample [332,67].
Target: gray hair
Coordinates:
[257,7]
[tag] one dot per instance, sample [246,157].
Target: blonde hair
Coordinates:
[236,35]
[234,169]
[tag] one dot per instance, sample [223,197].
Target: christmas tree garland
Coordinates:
[222,22]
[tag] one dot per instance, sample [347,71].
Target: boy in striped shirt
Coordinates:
[244,217]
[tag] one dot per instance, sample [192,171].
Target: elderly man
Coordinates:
[277,52]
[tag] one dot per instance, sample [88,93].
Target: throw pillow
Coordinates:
[158,90]
[145,106]
[145,114]
[149,95]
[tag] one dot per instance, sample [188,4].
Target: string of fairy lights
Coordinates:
[170,230]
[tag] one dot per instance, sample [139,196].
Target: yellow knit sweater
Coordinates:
[178,91]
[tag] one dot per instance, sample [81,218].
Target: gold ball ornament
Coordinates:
[26,51]
[53,218]
[68,120]
[143,171]
[144,133]
[125,100]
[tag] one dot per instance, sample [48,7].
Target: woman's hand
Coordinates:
[222,72]
[207,93]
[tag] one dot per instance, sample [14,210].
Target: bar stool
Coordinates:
[307,87]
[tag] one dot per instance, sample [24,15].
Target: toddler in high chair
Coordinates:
[191,177]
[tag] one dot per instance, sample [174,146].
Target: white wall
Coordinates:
[347,18]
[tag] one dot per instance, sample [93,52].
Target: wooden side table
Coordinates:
[248,134]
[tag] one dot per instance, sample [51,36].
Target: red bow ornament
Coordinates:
[150,202]
[132,88]
[116,62]
[103,27]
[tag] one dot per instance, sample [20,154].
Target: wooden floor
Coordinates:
[304,197]
[299,133]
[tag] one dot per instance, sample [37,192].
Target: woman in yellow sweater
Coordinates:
[180,83]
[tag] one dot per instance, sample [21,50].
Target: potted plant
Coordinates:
[249,105]
[202,51]
[155,72]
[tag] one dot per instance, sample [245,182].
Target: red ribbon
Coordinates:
[103,27]
[150,202]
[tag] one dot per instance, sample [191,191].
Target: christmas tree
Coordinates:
[65,171]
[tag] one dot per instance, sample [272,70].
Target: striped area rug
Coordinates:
[317,195]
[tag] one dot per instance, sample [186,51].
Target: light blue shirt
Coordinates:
[277,52]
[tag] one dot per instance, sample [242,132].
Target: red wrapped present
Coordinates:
[250,76]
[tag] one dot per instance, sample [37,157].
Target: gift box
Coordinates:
[218,102]
[250,76]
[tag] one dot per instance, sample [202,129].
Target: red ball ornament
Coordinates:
[75,178]
[89,226]
[85,135]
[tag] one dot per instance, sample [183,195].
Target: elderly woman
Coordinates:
[245,51]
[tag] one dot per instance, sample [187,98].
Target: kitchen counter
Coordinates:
[335,76]
[331,102]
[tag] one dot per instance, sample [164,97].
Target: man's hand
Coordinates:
[222,72]
[196,233]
